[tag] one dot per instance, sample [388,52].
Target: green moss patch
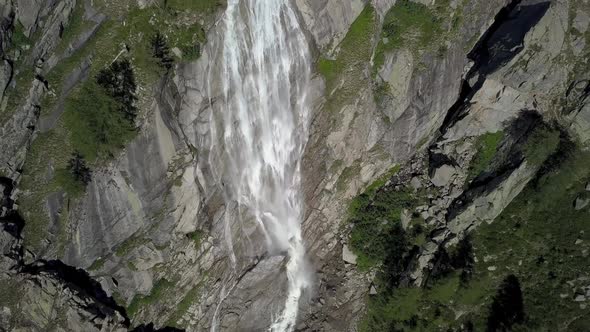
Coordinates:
[184,305]
[408,25]
[131,243]
[486,146]
[197,237]
[204,6]
[344,73]
[161,288]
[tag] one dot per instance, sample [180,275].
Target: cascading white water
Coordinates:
[265,73]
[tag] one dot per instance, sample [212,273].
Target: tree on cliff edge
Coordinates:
[507,308]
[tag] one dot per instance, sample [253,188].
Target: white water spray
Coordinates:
[265,73]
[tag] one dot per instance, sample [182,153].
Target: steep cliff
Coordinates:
[436,125]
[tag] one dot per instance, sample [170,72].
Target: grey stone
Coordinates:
[406,218]
[581,21]
[581,203]
[28,13]
[416,183]
[176,51]
[5,74]
[425,215]
[443,175]
[348,256]
[373,290]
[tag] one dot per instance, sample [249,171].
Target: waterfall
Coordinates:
[260,131]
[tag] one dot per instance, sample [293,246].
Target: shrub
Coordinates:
[486,145]
[463,259]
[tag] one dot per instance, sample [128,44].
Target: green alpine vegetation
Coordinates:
[76,176]
[410,25]
[375,216]
[345,69]
[101,117]
[522,272]
[486,146]
[99,113]
[161,288]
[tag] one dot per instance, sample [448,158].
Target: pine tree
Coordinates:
[507,308]
[118,80]
[78,168]
[161,51]
[463,259]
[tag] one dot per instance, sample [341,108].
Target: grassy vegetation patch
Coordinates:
[159,291]
[204,6]
[97,265]
[410,25]
[486,146]
[197,237]
[48,149]
[75,26]
[536,250]
[18,39]
[376,218]
[184,305]
[131,243]
[344,73]
[23,74]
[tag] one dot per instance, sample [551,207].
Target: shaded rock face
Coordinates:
[504,39]
[155,213]
[53,294]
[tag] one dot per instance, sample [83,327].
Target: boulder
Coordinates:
[415,183]
[443,175]
[406,218]
[373,290]
[348,256]
[581,203]
[581,21]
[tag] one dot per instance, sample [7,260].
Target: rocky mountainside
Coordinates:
[445,177]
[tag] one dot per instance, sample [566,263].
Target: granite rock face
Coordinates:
[149,234]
